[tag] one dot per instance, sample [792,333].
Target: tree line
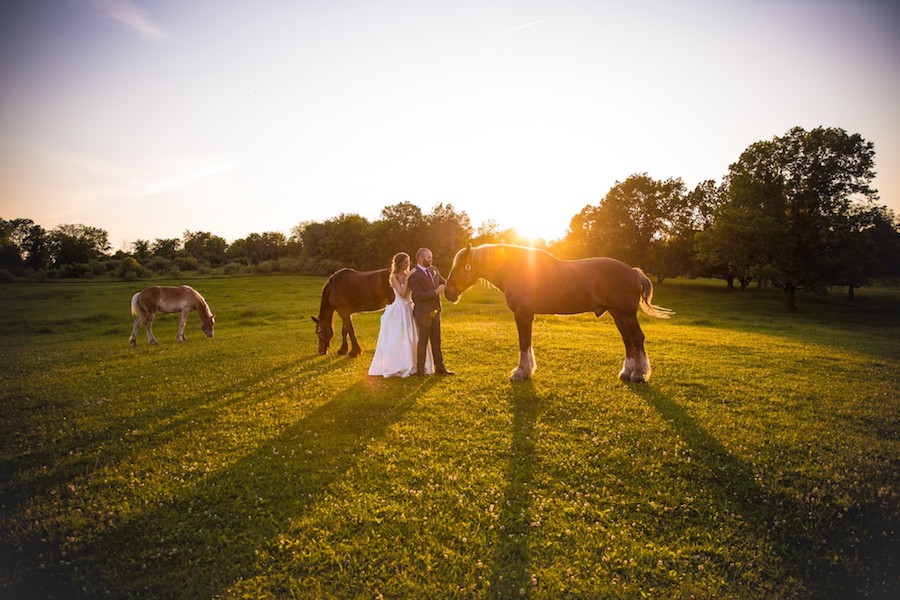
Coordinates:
[796,212]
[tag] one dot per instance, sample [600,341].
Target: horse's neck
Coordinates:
[493,269]
[326,308]
[200,305]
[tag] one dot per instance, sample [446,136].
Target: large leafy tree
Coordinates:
[166,247]
[205,246]
[348,242]
[634,214]
[400,228]
[141,249]
[790,206]
[72,244]
[869,249]
[23,244]
[446,231]
[258,247]
[674,252]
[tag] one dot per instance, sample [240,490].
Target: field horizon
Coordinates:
[758,462]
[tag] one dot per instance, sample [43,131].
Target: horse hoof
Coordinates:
[624,375]
[518,375]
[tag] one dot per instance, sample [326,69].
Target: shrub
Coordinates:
[99,267]
[72,271]
[160,264]
[130,269]
[187,263]
[233,268]
[265,267]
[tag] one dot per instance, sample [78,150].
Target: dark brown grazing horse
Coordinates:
[536,282]
[346,292]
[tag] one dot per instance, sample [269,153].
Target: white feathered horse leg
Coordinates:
[527,364]
[636,367]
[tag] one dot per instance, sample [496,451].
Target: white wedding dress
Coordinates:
[395,350]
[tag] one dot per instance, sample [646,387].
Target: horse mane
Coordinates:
[338,275]
[207,311]
[490,257]
[325,307]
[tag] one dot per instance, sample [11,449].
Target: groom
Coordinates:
[427,286]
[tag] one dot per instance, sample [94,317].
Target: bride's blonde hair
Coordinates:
[398,260]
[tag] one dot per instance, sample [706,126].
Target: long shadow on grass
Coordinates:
[198,544]
[157,421]
[777,518]
[49,471]
[511,577]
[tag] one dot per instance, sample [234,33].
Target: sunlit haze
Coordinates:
[147,119]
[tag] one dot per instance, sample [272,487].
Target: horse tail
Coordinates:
[135,311]
[647,296]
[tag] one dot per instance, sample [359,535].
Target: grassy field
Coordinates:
[759,462]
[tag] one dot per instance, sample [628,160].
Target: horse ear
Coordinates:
[469,247]
[315,320]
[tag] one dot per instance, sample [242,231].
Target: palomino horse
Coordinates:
[183,299]
[536,282]
[346,292]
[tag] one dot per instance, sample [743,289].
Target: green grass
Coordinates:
[759,462]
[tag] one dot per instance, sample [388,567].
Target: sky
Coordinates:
[148,119]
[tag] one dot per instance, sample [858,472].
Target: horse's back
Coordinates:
[167,299]
[586,285]
[352,291]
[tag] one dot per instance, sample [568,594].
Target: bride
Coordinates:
[395,350]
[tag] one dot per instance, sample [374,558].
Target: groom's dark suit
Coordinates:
[427,313]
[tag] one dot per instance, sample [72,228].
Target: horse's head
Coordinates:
[463,274]
[324,332]
[207,324]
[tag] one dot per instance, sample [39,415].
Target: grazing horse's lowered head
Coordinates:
[324,331]
[208,324]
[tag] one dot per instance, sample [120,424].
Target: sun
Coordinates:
[535,227]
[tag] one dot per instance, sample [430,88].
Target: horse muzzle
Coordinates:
[451,294]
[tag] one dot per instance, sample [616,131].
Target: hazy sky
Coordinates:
[149,118]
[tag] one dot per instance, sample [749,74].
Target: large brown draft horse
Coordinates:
[536,282]
[346,292]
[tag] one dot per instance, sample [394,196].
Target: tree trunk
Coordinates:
[730,281]
[790,298]
[851,293]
